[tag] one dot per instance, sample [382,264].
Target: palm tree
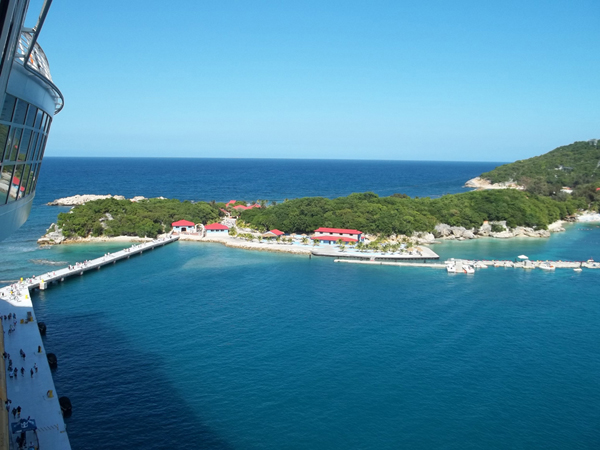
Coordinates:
[316,242]
[305,240]
[339,242]
[342,247]
[360,246]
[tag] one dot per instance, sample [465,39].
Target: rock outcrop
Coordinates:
[482,184]
[82,199]
[53,236]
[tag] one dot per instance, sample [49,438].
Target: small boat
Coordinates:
[468,269]
[451,268]
[547,266]
[577,269]
[480,265]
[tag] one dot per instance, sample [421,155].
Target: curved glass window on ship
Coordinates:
[23,132]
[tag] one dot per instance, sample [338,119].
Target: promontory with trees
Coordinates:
[540,203]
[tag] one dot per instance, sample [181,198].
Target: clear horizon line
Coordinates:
[273,159]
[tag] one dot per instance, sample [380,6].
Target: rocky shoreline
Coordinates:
[479,184]
[76,200]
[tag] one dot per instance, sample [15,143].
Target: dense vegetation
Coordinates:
[151,217]
[573,165]
[400,214]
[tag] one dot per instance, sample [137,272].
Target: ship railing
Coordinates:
[34,60]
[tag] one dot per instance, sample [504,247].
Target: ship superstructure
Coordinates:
[29,102]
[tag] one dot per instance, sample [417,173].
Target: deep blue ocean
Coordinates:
[202,346]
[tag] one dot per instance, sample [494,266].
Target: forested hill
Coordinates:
[571,165]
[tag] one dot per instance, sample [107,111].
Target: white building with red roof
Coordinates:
[273,233]
[216,228]
[183,226]
[332,235]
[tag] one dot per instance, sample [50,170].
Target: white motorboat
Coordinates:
[468,269]
[577,269]
[451,268]
[547,266]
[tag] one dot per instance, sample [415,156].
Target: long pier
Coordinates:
[42,281]
[29,384]
[480,264]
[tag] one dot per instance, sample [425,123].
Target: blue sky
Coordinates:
[461,80]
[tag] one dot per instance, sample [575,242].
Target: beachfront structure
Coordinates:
[243,208]
[184,226]
[332,235]
[29,101]
[216,228]
[273,234]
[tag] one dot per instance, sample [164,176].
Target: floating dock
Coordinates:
[422,254]
[32,387]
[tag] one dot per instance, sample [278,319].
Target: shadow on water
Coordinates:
[121,397]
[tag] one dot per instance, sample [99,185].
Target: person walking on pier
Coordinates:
[18,411]
[35,367]
[31,373]
[14,412]
[22,371]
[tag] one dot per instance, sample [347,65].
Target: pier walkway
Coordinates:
[422,254]
[29,383]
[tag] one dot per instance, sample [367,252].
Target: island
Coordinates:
[523,199]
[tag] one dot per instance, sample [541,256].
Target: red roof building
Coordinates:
[184,226]
[183,223]
[273,233]
[331,239]
[335,234]
[337,231]
[216,228]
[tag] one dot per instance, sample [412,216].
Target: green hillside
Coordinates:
[571,165]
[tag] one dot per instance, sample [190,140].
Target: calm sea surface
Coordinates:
[202,346]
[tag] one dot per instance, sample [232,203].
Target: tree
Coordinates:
[316,242]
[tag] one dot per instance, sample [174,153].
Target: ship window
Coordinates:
[5,182]
[44,122]
[24,145]
[37,147]
[20,112]
[31,114]
[13,144]
[40,147]
[32,146]
[18,184]
[36,176]
[31,181]
[48,122]
[7,108]
[38,119]
[3,137]
[25,178]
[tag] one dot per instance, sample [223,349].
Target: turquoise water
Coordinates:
[234,349]
[203,346]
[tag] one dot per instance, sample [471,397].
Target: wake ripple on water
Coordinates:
[47,262]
